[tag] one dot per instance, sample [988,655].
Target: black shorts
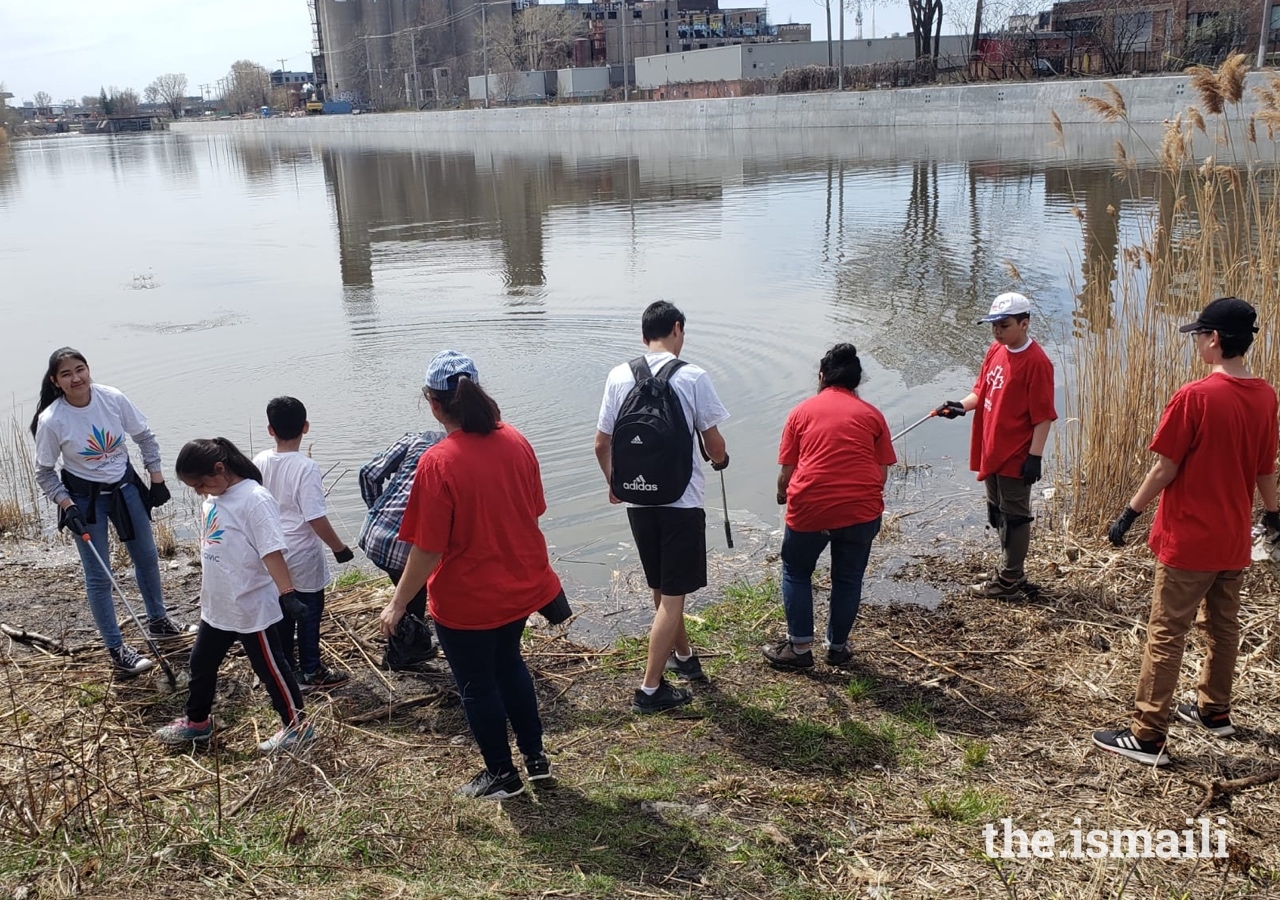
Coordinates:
[672,543]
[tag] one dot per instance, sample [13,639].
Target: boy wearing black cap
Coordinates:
[1215,442]
[1013,399]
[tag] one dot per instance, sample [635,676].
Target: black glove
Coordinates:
[781,498]
[1031,469]
[294,607]
[343,555]
[721,466]
[72,518]
[159,494]
[952,409]
[1271,524]
[1121,526]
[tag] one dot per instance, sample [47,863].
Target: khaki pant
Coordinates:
[1177,597]
[1009,511]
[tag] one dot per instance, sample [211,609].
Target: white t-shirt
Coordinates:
[90,439]
[296,482]
[702,410]
[239,529]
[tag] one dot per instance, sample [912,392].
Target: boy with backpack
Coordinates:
[294,479]
[651,409]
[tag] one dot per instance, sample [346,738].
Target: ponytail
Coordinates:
[841,367]
[49,390]
[474,411]
[198,458]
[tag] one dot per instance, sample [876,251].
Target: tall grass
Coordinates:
[19,499]
[1214,231]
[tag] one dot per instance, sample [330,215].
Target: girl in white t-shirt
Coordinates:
[82,425]
[243,585]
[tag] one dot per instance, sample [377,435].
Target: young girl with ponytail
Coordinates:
[83,424]
[243,585]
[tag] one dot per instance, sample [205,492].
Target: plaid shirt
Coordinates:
[379,536]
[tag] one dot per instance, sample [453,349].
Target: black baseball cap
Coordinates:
[1226,315]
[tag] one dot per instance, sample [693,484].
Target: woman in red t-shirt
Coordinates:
[472,523]
[835,457]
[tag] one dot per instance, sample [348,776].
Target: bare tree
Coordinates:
[43,99]
[248,86]
[926,24]
[539,37]
[151,93]
[124,101]
[170,90]
[89,101]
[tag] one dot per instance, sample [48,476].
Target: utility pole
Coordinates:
[830,62]
[626,82]
[484,43]
[413,53]
[1262,34]
[840,77]
[977,29]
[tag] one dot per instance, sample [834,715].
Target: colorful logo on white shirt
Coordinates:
[101,444]
[212,528]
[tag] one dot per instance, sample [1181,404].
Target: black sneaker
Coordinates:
[164,628]
[839,657]
[128,661]
[783,655]
[538,767]
[999,589]
[492,787]
[1124,743]
[1219,724]
[664,698]
[321,679]
[689,669]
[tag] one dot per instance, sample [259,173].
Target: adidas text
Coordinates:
[639,485]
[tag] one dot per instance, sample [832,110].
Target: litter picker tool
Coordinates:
[728,535]
[146,634]
[914,425]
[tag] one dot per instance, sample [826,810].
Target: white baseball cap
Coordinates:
[1007,304]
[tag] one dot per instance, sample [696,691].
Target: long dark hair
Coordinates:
[49,390]
[469,406]
[841,367]
[197,459]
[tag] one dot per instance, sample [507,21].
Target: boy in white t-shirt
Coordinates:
[296,482]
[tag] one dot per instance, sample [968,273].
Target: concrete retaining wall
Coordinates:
[1149,100]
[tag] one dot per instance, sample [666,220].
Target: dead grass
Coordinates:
[19,504]
[1213,230]
[771,785]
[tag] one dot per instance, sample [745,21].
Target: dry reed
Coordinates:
[1213,230]
[19,503]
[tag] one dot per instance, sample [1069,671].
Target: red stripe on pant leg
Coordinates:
[277,676]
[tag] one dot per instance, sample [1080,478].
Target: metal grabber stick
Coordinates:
[146,634]
[728,535]
[914,425]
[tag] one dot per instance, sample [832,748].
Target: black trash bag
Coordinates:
[410,645]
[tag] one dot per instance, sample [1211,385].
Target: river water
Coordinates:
[204,274]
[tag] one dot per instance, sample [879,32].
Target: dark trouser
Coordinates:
[496,688]
[850,552]
[1009,512]
[307,631]
[265,655]
[418,605]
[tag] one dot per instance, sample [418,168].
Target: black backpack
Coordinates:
[652,449]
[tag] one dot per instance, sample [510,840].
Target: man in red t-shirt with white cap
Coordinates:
[1216,441]
[1013,404]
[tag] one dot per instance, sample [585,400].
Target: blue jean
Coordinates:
[142,550]
[496,688]
[850,551]
[305,631]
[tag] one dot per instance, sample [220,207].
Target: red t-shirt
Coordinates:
[837,442]
[1221,431]
[477,499]
[1015,393]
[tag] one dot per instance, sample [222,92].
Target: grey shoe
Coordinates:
[839,657]
[783,655]
[999,589]
[689,669]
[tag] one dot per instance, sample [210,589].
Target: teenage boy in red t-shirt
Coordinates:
[1215,442]
[1013,403]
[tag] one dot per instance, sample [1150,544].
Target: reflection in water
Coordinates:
[333,268]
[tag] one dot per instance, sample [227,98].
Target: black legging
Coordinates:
[265,655]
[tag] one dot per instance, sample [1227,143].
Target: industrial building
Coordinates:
[748,61]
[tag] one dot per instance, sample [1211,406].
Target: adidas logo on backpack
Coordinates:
[652,448]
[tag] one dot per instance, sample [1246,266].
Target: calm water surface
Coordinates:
[204,274]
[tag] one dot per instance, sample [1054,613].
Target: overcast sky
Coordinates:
[70,48]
